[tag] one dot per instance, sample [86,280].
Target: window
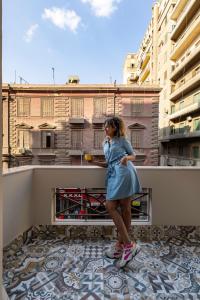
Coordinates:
[98,139]
[195,152]
[182,127]
[181,104]
[172,129]
[99,107]
[136,138]
[47,139]
[196,124]
[76,139]
[172,109]
[77,107]
[47,107]
[137,106]
[23,107]
[23,139]
[165,77]
[197,97]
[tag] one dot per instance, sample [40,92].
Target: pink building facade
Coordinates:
[58,124]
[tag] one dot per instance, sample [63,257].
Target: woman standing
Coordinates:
[121,183]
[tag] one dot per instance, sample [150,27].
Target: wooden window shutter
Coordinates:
[77,107]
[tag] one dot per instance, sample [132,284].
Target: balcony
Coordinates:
[183,134]
[145,73]
[190,58]
[188,12]
[145,60]
[185,111]
[179,7]
[45,261]
[181,89]
[187,38]
[77,120]
[181,161]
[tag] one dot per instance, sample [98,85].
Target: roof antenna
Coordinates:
[53,70]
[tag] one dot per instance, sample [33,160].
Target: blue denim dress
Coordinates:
[121,180]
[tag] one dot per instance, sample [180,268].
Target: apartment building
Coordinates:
[130,69]
[181,144]
[58,124]
[169,56]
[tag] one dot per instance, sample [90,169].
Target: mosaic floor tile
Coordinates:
[52,267]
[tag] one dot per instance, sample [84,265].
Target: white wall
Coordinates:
[28,194]
[17,195]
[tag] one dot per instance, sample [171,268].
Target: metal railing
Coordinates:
[89,204]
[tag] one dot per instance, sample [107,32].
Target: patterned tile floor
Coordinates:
[63,269]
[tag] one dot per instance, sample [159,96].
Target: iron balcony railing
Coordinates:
[89,204]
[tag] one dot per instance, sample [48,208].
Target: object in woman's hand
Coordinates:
[88,157]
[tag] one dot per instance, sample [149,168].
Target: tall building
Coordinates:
[58,124]
[181,142]
[130,69]
[169,55]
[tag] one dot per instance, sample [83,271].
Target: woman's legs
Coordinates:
[111,206]
[125,205]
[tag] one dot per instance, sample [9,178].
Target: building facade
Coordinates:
[169,56]
[58,124]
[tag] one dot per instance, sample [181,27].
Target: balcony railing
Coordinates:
[192,107]
[187,37]
[31,200]
[186,84]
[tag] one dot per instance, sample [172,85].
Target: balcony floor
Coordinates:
[58,268]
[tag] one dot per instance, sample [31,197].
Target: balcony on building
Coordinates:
[187,14]
[185,111]
[186,61]
[79,120]
[178,9]
[145,60]
[98,119]
[42,246]
[185,85]
[187,37]
[145,72]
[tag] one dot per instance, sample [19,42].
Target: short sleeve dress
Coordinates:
[121,180]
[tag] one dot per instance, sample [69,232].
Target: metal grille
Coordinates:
[89,204]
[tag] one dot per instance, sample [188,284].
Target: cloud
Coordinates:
[102,8]
[62,18]
[30,32]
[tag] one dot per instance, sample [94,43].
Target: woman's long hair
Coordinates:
[118,124]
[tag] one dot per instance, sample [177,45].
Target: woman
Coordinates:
[122,183]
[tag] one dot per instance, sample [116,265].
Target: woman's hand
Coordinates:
[124,160]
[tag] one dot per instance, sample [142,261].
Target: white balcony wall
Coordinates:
[28,197]
[17,202]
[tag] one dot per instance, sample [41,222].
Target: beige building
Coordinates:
[58,124]
[170,56]
[130,69]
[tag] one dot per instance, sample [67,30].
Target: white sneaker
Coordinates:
[115,250]
[129,251]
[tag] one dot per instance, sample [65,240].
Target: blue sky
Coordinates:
[88,38]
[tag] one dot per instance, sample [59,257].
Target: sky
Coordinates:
[88,38]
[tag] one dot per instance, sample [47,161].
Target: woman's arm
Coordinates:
[126,158]
[99,163]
